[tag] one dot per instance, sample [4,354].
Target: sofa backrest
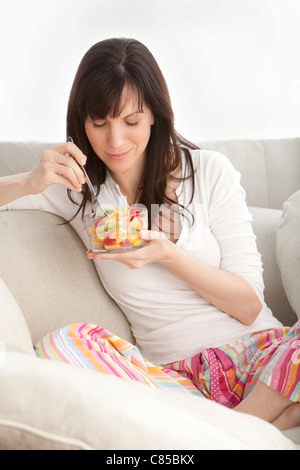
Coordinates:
[18,157]
[270,169]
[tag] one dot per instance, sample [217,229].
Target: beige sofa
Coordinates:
[46,282]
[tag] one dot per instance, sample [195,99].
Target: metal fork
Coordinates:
[96,204]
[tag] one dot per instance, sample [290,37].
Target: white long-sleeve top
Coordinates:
[169,320]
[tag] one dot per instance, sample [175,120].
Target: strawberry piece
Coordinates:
[109,241]
[135,212]
[126,243]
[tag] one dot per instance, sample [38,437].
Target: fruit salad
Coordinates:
[120,231]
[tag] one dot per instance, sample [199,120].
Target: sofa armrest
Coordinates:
[51,405]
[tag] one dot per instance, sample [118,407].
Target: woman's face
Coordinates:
[121,142]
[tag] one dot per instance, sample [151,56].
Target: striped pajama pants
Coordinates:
[225,374]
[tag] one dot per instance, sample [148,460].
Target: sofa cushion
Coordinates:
[270,167]
[265,224]
[43,263]
[53,405]
[14,332]
[288,250]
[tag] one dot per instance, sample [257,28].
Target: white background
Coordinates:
[232,66]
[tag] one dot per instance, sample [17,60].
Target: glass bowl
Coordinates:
[120,231]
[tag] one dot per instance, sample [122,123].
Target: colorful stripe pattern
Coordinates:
[225,375]
[229,373]
[283,370]
[92,347]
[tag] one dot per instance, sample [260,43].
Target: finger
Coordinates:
[60,164]
[92,255]
[51,170]
[63,181]
[152,235]
[68,162]
[70,149]
[65,175]
[123,257]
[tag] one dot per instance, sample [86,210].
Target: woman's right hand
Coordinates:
[56,166]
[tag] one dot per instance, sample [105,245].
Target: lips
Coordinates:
[118,156]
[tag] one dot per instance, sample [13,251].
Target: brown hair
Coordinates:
[97,90]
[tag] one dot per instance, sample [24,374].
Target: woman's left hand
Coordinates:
[156,251]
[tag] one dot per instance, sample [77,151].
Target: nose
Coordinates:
[115,137]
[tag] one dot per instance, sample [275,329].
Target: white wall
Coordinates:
[232,66]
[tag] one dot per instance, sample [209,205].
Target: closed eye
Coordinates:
[98,125]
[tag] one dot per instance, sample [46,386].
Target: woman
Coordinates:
[207,329]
